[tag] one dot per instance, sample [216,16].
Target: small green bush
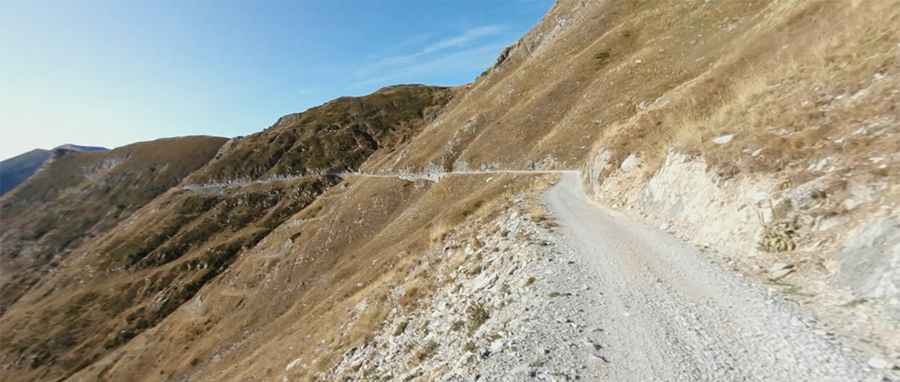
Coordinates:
[478,315]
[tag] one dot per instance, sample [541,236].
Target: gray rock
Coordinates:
[867,262]
[724,139]
[630,163]
[780,270]
[878,363]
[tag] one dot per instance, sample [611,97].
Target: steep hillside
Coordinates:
[15,170]
[121,283]
[641,77]
[337,136]
[763,132]
[81,195]
[18,168]
[321,284]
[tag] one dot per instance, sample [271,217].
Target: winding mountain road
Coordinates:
[670,315]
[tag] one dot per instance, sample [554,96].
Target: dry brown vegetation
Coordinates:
[337,136]
[272,306]
[123,283]
[79,196]
[239,282]
[645,77]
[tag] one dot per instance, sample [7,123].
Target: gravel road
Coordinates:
[669,315]
[656,310]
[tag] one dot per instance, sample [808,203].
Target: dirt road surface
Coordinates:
[669,315]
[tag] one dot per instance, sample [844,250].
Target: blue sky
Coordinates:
[109,73]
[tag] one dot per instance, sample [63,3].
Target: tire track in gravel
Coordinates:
[669,315]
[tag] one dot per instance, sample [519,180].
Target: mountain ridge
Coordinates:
[169,246]
[15,170]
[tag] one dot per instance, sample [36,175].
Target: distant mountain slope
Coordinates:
[80,148]
[117,284]
[336,136]
[79,195]
[15,170]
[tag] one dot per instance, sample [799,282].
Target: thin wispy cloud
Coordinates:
[429,52]
[153,69]
[464,39]
[457,61]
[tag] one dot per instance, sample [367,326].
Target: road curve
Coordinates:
[668,315]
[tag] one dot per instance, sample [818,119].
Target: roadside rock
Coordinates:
[878,363]
[779,270]
[514,319]
[724,139]
[630,163]
[869,263]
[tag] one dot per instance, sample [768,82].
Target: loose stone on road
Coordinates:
[668,315]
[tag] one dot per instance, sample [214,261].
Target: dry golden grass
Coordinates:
[784,104]
[794,80]
[337,136]
[80,196]
[642,77]
[309,306]
[143,271]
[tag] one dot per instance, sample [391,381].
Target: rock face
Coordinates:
[795,238]
[870,263]
[15,170]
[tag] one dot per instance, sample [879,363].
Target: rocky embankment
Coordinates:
[826,245]
[510,304]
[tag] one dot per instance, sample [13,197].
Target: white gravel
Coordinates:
[536,330]
[600,298]
[669,315]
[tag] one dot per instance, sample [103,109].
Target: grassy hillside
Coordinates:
[336,136]
[124,281]
[642,77]
[15,170]
[260,265]
[297,293]
[81,195]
